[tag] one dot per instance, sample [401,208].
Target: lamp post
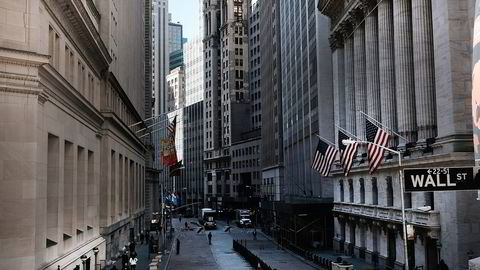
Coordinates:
[404,225]
[84,261]
[95,252]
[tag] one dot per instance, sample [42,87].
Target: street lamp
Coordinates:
[347,142]
[95,252]
[84,260]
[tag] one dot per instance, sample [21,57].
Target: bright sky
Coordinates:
[187,13]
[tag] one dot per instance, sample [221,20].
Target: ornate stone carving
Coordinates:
[336,40]
[367,5]
[357,15]
[346,28]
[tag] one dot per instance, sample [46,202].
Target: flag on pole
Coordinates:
[324,157]
[377,137]
[347,152]
[169,153]
[171,127]
[176,169]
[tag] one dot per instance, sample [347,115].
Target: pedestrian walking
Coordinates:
[124,260]
[443,265]
[186,225]
[178,246]
[209,238]
[133,262]
[255,234]
[180,218]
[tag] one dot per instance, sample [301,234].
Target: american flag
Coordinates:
[171,127]
[347,152]
[324,157]
[376,136]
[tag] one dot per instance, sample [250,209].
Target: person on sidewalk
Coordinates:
[209,238]
[180,218]
[186,225]
[124,260]
[255,234]
[133,262]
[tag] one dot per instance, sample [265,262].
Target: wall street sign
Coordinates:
[442,179]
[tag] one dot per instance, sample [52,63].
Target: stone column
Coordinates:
[349,78]
[386,62]
[372,63]
[360,72]
[336,44]
[424,68]
[404,73]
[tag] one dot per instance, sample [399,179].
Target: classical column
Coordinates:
[386,62]
[336,44]
[424,68]
[360,72]
[372,64]
[404,72]
[349,77]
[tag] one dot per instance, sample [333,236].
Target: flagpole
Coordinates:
[327,141]
[382,125]
[345,131]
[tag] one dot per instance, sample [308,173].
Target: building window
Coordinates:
[342,197]
[350,190]
[389,191]
[374,192]
[362,191]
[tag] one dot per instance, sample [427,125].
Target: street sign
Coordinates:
[442,179]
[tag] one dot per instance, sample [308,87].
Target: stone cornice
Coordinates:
[116,122]
[22,58]
[125,99]
[25,79]
[78,27]
[58,89]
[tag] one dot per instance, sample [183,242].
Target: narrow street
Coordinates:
[195,253]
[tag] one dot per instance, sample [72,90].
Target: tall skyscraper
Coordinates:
[161,55]
[175,37]
[175,45]
[194,77]
[176,89]
[227,94]
[306,95]
[271,100]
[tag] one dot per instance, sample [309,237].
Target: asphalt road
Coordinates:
[196,253]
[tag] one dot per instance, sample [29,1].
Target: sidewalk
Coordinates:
[357,263]
[142,255]
[269,253]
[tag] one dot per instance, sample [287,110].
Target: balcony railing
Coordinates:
[429,219]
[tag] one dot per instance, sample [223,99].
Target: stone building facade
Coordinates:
[227,96]
[407,64]
[72,170]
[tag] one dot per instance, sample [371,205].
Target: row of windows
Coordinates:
[246,163]
[251,150]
